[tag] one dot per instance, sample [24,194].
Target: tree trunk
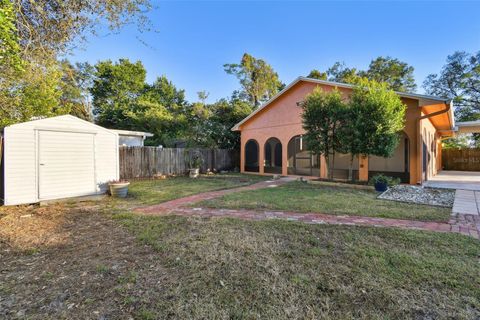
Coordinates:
[350,168]
[332,167]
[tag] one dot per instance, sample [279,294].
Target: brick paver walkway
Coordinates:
[173,205]
[459,223]
[466,213]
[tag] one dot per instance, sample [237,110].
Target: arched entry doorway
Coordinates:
[251,156]
[300,160]
[273,156]
[398,165]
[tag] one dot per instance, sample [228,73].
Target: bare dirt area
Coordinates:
[63,261]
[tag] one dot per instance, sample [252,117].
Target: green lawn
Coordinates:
[302,197]
[156,191]
[236,269]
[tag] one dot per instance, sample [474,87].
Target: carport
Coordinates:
[456,179]
[465,180]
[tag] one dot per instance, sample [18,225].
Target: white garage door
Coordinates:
[66,164]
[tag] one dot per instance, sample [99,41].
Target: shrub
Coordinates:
[381,178]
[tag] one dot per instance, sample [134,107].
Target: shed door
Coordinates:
[66,164]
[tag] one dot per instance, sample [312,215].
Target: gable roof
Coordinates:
[419,97]
[61,117]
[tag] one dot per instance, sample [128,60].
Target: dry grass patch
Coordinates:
[228,268]
[69,262]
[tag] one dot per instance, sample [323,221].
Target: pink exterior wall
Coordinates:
[282,119]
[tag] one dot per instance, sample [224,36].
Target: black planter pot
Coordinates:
[381,186]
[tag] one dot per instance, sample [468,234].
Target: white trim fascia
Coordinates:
[132,133]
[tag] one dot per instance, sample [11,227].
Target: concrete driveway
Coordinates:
[466,206]
[463,180]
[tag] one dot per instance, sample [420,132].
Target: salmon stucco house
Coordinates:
[271,138]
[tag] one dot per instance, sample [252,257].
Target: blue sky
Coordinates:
[194,39]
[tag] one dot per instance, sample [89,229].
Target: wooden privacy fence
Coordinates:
[461,159]
[147,162]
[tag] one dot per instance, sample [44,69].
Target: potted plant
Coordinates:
[382,182]
[196,161]
[119,188]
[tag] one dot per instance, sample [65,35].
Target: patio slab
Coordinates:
[465,180]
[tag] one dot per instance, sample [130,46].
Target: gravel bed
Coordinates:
[420,195]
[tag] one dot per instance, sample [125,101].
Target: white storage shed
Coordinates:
[58,157]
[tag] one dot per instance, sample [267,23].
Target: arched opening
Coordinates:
[251,156]
[398,165]
[273,156]
[300,160]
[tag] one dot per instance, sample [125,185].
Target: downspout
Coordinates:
[419,142]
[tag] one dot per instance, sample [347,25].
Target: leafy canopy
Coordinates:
[397,74]
[122,99]
[33,34]
[376,115]
[74,87]
[316,74]
[10,58]
[258,79]
[322,117]
[116,89]
[459,80]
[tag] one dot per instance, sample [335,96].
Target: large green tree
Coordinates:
[397,74]
[459,80]
[166,93]
[75,83]
[258,79]
[33,34]
[317,74]
[374,118]
[339,72]
[225,114]
[36,97]
[10,58]
[123,100]
[210,124]
[116,90]
[174,121]
[323,113]
[199,122]
[46,28]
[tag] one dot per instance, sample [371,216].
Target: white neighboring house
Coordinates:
[131,138]
[55,158]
